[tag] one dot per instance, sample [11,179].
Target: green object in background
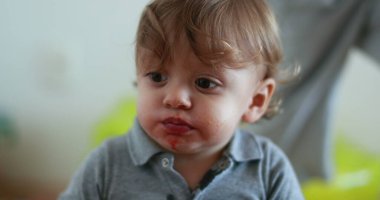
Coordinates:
[118,122]
[357,176]
[7,129]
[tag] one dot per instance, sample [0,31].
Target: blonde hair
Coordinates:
[231,33]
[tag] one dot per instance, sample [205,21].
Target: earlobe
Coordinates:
[260,101]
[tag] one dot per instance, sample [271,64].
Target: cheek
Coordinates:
[142,104]
[219,119]
[146,104]
[146,95]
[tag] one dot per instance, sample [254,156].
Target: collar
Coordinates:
[142,148]
[244,147]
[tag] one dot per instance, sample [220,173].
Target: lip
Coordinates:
[176,126]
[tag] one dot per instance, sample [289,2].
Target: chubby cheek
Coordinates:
[146,107]
[216,124]
[142,114]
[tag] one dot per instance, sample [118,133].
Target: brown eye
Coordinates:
[156,77]
[205,83]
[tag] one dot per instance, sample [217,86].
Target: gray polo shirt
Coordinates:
[134,167]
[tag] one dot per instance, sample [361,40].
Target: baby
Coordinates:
[203,67]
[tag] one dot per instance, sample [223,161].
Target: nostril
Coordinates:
[177,103]
[177,96]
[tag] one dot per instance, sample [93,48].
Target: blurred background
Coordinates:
[67,69]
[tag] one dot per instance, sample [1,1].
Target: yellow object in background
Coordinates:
[357,176]
[118,122]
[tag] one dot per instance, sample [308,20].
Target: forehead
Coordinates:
[181,55]
[180,45]
[184,61]
[176,45]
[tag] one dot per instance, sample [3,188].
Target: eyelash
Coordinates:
[156,77]
[201,83]
[210,84]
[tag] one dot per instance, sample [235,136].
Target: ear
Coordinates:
[260,101]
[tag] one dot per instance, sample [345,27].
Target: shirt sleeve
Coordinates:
[86,183]
[369,40]
[283,183]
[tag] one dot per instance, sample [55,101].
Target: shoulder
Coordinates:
[106,153]
[271,152]
[276,170]
[92,177]
[111,158]
[250,146]
[114,147]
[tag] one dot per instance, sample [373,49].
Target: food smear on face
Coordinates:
[173,143]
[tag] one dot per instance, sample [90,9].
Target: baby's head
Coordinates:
[222,33]
[204,65]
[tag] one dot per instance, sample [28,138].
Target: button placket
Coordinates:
[223,164]
[170,197]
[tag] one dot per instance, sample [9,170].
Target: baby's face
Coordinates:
[188,107]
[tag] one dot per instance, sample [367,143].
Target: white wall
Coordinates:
[64,65]
[358,102]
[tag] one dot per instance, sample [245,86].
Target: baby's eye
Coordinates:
[205,83]
[156,77]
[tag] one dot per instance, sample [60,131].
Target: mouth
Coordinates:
[176,126]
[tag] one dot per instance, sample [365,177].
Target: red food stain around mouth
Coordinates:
[173,143]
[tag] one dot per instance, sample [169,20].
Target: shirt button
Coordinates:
[165,162]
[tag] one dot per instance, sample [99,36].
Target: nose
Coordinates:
[177,97]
